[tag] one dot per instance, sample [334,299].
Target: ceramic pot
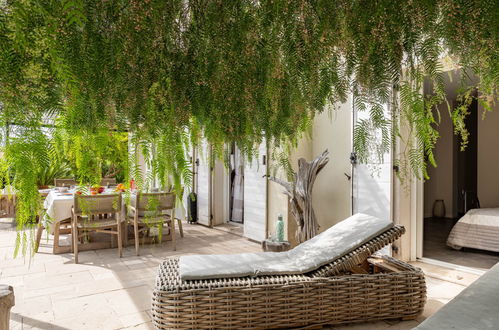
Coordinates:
[439,208]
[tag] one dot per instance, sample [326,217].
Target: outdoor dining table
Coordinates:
[57,220]
[58,206]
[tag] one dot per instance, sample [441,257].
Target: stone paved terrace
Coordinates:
[106,292]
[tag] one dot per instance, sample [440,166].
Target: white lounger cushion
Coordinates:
[326,247]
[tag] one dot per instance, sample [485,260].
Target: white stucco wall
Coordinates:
[332,189]
[488,158]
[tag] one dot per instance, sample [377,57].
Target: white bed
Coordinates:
[477,229]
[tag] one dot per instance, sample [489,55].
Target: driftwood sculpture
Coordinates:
[300,194]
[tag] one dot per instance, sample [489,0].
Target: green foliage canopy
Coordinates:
[170,71]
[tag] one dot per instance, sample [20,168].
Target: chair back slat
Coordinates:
[108,181]
[7,206]
[97,204]
[159,201]
[64,182]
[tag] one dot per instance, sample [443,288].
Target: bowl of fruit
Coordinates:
[96,189]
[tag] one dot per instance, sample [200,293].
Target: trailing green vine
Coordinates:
[169,72]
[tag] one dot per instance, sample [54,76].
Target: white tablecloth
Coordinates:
[58,205]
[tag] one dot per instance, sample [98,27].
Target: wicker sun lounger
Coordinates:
[349,289]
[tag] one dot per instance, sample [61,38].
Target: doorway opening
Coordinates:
[236,186]
[235,203]
[247,193]
[232,197]
[461,198]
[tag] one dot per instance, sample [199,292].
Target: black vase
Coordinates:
[192,208]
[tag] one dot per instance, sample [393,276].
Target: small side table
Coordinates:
[6,303]
[273,246]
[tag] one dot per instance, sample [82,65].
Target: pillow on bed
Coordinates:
[326,247]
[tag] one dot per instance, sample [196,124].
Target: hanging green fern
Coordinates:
[172,72]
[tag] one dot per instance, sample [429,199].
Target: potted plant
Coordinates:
[47,175]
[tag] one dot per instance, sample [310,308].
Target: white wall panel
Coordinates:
[255,196]
[372,183]
[203,184]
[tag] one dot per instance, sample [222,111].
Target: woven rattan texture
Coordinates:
[285,301]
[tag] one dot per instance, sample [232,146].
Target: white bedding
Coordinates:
[484,217]
[477,229]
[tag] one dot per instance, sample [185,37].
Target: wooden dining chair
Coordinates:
[65,182]
[58,228]
[7,206]
[97,213]
[153,210]
[108,182]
